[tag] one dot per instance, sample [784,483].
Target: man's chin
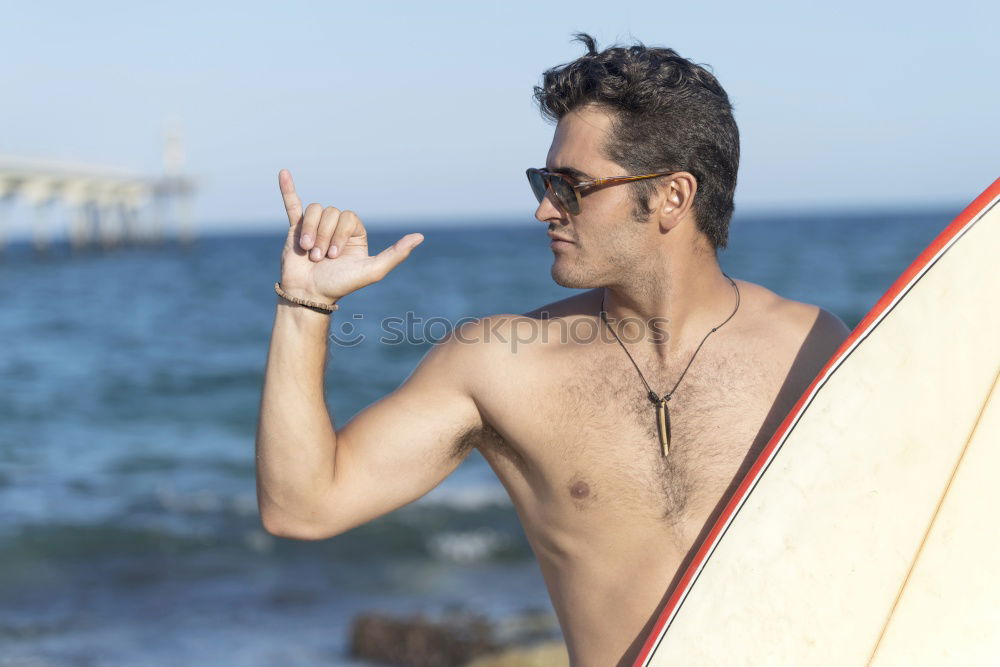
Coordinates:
[565,276]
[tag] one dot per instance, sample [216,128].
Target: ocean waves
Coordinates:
[165,522]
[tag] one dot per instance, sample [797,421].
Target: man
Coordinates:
[613,481]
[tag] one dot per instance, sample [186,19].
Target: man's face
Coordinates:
[604,237]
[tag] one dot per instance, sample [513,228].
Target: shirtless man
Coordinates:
[564,420]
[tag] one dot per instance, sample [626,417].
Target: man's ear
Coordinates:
[675,199]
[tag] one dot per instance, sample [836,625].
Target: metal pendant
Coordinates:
[663,425]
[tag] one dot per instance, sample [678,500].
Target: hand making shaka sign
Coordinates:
[326,251]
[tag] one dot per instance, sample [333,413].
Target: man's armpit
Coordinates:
[490,443]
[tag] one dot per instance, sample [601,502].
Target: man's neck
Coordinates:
[686,298]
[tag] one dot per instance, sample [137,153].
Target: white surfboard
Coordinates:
[866,530]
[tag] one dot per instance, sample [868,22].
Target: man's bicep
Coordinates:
[399,448]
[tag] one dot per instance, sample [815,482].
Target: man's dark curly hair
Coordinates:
[669,114]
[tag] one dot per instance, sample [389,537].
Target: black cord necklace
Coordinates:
[662,414]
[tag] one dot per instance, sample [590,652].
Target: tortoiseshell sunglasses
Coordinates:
[567,191]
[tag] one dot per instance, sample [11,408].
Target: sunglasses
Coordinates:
[567,190]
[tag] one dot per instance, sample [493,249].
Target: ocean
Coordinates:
[129,387]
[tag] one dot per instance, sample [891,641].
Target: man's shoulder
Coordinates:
[493,328]
[809,330]
[501,335]
[808,320]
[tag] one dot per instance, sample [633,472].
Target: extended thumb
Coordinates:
[393,256]
[409,242]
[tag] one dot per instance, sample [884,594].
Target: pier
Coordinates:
[103,206]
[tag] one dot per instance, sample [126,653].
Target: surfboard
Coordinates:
[864,532]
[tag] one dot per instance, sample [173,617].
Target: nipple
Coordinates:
[579,490]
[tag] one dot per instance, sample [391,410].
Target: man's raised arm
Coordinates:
[314,481]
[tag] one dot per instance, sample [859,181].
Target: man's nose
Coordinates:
[547,211]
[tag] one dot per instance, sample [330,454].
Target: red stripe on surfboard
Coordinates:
[900,284]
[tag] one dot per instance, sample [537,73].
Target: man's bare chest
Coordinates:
[582,437]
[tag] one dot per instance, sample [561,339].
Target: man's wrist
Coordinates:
[303,318]
[324,305]
[300,293]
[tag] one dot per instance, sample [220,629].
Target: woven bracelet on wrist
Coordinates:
[319,307]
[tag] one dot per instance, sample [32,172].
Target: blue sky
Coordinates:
[423,111]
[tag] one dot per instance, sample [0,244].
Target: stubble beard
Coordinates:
[576,272]
[566,273]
